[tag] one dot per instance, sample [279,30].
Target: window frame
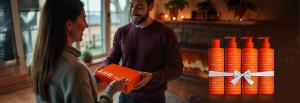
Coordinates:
[15,13]
[21,61]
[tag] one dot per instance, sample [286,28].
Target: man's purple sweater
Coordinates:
[152,49]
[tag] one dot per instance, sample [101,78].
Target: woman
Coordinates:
[57,74]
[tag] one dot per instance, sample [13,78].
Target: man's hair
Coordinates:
[149,2]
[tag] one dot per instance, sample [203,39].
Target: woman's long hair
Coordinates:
[51,41]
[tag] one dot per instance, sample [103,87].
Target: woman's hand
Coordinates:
[118,84]
[113,87]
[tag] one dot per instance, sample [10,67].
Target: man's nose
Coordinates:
[134,10]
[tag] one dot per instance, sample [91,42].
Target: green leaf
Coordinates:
[87,54]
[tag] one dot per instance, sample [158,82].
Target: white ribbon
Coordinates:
[237,75]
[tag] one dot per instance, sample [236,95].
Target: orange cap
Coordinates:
[265,43]
[249,43]
[232,43]
[216,43]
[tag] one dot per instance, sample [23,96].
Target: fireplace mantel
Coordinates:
[228,23]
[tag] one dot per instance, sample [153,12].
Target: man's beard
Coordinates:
[140,20]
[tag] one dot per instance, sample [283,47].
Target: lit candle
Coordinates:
[173,18]
[166,16]
[182,17]
[241,19]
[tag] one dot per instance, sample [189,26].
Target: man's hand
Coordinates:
[146,78]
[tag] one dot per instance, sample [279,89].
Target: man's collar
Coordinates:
[146,23]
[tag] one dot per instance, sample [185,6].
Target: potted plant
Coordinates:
[240,6]
[208,10]
[87,55]
[174,6]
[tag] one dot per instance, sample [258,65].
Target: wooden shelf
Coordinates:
[224,22]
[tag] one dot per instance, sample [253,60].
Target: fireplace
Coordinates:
[195,63]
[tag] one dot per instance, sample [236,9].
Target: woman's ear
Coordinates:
[69,25]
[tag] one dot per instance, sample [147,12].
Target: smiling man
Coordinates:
[150,47]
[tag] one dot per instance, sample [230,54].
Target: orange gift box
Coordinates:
[113,71]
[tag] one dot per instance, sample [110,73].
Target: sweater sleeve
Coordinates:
[172,59]
[76,85]
[115,53]
[107,96]
[79,89]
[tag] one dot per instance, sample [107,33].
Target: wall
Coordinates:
[265,10]
[285,37]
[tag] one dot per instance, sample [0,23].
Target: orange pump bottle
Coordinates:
[265,63]
[216,63]
[232,63]
[249,62]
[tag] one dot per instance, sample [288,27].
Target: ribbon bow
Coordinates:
[237,75]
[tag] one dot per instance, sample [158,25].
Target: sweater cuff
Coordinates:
[105,99]
[109,91]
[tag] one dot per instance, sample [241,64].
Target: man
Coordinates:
[148,46]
